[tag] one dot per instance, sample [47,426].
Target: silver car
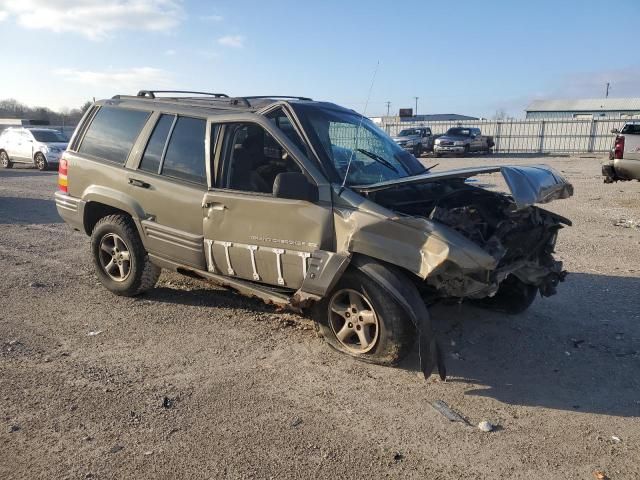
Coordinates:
[41,147]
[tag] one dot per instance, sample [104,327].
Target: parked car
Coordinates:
[624,157]
[274,197]
[415,140]
[463,140]
[41,147]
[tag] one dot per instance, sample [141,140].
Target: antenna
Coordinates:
[388,106]
[416,112]
[353,151]
[606,95]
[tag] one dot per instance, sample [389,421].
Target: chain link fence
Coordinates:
[533,136]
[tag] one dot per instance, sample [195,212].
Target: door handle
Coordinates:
[213,205]
[139,183]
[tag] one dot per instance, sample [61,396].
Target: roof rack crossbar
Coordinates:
[152,93]
[257,97]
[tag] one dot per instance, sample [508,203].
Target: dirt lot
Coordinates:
[191,381]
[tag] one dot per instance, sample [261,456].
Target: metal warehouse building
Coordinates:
[585,108]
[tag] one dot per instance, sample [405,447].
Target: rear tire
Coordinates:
[5,161]
[120,260]
[40,162]
[358,303]
[513,297]
[417,151]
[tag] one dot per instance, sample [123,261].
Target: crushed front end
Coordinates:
[516,238]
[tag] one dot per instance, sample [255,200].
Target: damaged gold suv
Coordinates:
[307,205]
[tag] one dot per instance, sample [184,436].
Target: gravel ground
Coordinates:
[190,381]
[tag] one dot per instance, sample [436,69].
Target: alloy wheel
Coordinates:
[353,321]
[115,258]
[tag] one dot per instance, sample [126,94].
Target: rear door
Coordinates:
[248,232]
[169,183]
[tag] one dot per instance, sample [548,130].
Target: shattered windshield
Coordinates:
[356,148]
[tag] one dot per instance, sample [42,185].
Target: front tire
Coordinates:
[40,162]
[5,161]
[358,318]
[120,260]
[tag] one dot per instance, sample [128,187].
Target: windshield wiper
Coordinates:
[378,158]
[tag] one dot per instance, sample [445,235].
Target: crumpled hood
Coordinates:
[528,184]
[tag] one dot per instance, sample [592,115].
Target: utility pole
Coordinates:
[606,95]
[388,107]
[416,111]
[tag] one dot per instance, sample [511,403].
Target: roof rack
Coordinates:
[295,97]
[152,93]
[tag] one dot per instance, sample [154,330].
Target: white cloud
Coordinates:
[3,15]
[234,41]
[170,52]
[117,81]
[95,19]
[212,18]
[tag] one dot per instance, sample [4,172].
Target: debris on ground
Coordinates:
[167,402]
[296,422]
[13,428]
[93,333]
[115,449]
[627,223]
[398,456]
[485,426]
[36,285]
[616,438]
[600,475]
[444,409]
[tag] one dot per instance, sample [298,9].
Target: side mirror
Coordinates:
[295,186]
[615,130]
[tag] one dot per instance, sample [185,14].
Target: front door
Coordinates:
[249,233]
[169,184]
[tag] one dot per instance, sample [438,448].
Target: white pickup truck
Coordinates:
[624,157]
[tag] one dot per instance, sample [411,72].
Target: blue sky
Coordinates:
[465,57]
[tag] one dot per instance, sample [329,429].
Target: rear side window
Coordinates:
[112,133]
[155,148]
[185,155]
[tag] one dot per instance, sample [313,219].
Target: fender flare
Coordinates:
[400,288]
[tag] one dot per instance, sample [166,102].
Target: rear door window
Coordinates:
[155,148]
[185,154]
[112,133]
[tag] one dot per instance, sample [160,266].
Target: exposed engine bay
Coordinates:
[521,240]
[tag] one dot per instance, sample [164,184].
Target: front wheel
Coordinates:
[5,161]
[40,162]
[358,318]
[120,260]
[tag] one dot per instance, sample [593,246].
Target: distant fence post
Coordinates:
[498,134]
[541,144]
[592,135]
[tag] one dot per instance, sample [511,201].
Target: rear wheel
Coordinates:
[40,162]
[358,318]
[5,161]
[513,296]
[417,151]
[120,260]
